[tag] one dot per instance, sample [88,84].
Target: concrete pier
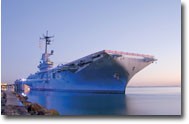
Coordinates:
[10,105]
[11,99]
[13,103]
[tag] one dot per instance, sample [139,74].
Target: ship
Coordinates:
[106,71]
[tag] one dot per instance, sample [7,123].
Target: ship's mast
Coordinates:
[45,62]
[47,40]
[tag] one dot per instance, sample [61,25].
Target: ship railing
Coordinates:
[127,53]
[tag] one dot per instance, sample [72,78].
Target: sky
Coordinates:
[82,27]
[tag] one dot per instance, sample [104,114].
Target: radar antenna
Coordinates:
[47,40]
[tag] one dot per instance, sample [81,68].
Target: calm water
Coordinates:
[136,101]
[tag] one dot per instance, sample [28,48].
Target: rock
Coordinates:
[26,97]
[27,105]
[22,99]
[40,112]
[52,112]
[36,109]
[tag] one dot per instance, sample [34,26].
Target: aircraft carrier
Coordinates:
[106,71]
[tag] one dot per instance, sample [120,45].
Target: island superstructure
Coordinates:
[106,71]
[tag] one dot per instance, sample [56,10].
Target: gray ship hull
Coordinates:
[102,72]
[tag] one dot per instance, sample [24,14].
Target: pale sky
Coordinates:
[82,27]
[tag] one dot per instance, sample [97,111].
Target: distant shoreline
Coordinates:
[149,86]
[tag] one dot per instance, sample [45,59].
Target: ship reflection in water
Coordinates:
[138,101]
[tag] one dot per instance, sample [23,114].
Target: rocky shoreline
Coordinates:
[10,106]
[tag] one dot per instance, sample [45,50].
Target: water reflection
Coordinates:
[138,101]
[81,103]
[156,104]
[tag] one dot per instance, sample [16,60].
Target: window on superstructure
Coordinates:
[45,75]
[53,75]
[42,76]
[58,75]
